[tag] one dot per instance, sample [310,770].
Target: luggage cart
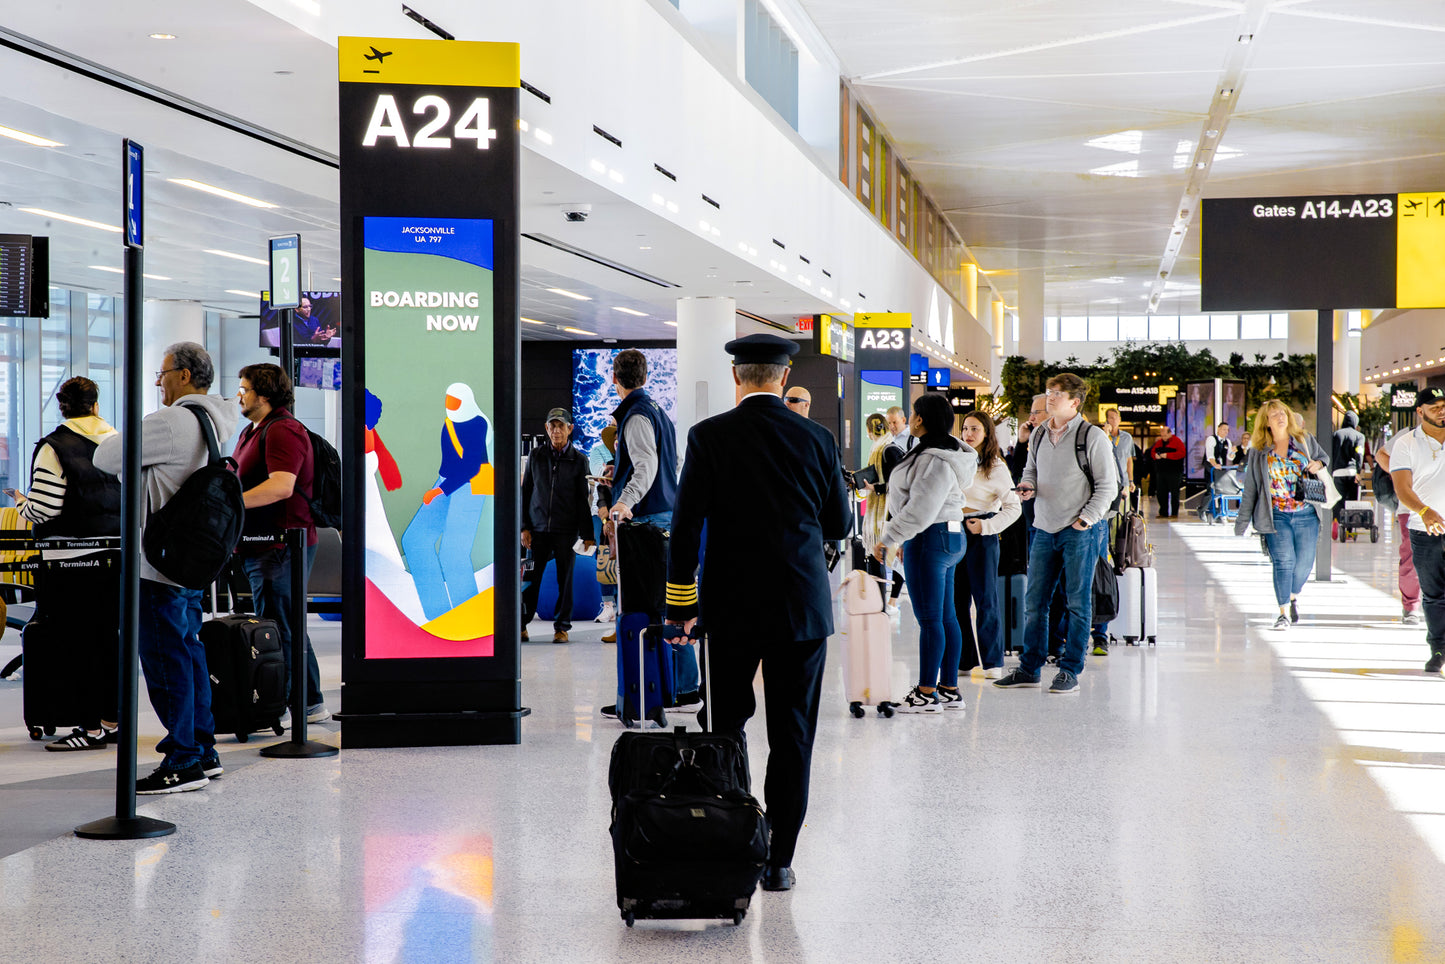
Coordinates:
[1222,503]
[1358,515]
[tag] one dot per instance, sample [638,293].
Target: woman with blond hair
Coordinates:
[1282,454]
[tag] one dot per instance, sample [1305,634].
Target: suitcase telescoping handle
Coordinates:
[669,632]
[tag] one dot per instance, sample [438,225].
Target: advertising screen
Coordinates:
[429,444]
[939,377]
[315,324]
[318,373]
[594,397]
[878,392]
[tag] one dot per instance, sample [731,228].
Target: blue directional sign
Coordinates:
[134,177]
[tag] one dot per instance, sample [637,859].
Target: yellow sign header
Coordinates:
[883,319]
[1420,251]
[441,63]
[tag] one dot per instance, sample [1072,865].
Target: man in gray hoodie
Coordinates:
[171,654]
[1067,508]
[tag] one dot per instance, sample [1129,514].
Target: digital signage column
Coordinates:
[881,350]
[429,188]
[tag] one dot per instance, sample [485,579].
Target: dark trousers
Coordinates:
[551,546]
[1349,488]
[792,684]
[1168,477]
[270,578]
[976,581]
[1429,552]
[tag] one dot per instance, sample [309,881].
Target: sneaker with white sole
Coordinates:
[317,713]
[211,766]
[993,672]
[918,701]
[1018,679]
[165,780]
[609,613]
[1064,682]
[949,699]
[1282,622]
[78,740]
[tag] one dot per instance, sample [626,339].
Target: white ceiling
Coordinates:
[994,106]
[1012,115]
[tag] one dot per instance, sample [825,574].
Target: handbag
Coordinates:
[606,566]
[1317,489]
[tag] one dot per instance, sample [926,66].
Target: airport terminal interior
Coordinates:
[1197,205]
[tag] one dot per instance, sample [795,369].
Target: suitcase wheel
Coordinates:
[856,708]
[242,737]
[1151,640]
[886,710]
[738,917]
[50,731]
[629,918]
[1374,533]
[277,728]
[36,733]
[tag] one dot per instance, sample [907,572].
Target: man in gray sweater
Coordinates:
[1067,507]
[171,654]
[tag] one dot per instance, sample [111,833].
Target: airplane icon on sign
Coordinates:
[377,55]
[1412,204]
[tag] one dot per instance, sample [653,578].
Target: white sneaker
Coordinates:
[993,672]
[893,610]
[609,613]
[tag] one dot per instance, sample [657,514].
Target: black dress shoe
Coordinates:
[779,878]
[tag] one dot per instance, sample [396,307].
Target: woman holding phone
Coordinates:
[991,506]
[925,508]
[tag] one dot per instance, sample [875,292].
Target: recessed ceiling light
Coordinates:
[541,135]
[644,247]
[83,222]
[234,256]
[629,311]
[579,331]
[106,267]
[163,36]
[243,294]
[672,323]
[531,321]
[597,166]
[31,139]
[565,293]
[221,192]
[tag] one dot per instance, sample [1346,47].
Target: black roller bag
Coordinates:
[689,839]
[248,674]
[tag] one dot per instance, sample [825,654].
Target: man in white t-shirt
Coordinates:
[1418,471]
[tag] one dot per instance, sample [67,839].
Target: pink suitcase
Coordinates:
[867,646]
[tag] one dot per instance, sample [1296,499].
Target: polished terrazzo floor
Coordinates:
[1233,794]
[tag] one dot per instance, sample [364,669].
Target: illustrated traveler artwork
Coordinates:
[430,498]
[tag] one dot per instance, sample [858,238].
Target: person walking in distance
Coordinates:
[556,515]
[1418,471]
[1406,577]
[764,597]
[1069,503]
[1168,458]
[1282,454]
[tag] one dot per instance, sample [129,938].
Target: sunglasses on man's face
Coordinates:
[794,400]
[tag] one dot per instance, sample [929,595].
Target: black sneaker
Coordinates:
[949,699]
[918,701]
[1101,648]
[1065,682]
[1282,622]
[689,699]
[1018,679]
[1436,661]
[78,740]
[211,766]
[112,736]
[164,780]
[1293,612]
[610,711]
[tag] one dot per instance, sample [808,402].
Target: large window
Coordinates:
[903,225]
[866,135]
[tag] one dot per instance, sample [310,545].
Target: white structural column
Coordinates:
[1301,339]
[165,323]
[704,369]
[1347,356]
[1031,305]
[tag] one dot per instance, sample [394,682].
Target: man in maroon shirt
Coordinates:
[276,467]
[1168,456]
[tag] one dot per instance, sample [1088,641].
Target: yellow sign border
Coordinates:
[433,63]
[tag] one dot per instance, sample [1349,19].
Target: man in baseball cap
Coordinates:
[555,515]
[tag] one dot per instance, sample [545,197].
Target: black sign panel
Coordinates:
[1286,253]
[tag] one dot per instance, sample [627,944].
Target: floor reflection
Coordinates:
[428,899]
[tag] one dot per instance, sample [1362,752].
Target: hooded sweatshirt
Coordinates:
[1347,454]
[927,488]
[172,447]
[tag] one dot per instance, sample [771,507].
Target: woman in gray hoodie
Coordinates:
[925,505]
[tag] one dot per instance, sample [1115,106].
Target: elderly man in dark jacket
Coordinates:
[555,515]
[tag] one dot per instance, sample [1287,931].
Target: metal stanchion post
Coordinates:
[298,747]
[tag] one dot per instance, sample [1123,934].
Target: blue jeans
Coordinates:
[1068,554]
[1292,550]
[438,547]
[929,561]
[270,578]
[177,681]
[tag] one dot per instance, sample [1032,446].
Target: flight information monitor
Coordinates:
[16,268]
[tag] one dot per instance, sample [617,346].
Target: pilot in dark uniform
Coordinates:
[769,485]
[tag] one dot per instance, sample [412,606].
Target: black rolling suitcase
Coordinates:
[248,674]
[71,646]
[689,839]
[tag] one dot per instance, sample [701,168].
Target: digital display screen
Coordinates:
[315,323]
[16,268]
[285,271]
[324,373]
[832,336]
[917,365]
[940,377]
[430,499]
[878,391]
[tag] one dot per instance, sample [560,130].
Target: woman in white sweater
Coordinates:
[990,506]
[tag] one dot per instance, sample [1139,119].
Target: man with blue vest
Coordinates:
[644,481]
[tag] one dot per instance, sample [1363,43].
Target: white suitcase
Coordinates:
[1138,618]
[867,646]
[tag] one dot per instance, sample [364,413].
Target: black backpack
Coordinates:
[325,497]
[1081,454]
[190,539]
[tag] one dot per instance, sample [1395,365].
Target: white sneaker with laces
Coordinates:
[993,672]
[918,701]
[609,613]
